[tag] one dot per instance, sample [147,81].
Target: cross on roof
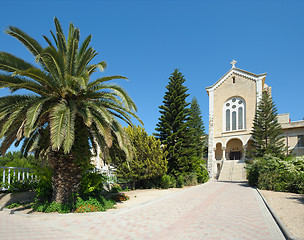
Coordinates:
[233,63]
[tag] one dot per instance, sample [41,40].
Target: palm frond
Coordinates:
[85,59]
[32,115]
[95,84]
[84,46]
[11,63]
[31,44]
[92,68]
[54,63]
[61,43]
[48,41]
[58,122]
[70,128]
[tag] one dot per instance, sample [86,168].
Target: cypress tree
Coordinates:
[266,132]
[172,127]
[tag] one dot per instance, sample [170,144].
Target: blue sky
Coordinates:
[146,40]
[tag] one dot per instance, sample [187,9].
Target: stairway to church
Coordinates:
[233,170]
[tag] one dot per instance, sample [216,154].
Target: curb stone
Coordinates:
[281,225]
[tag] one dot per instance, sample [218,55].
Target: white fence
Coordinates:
[109,173]
[11,174]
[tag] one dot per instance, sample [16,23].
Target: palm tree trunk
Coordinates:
[66,177]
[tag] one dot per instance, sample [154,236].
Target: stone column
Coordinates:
[244,154]
[224,154]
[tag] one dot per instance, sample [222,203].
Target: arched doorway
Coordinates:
[234,149]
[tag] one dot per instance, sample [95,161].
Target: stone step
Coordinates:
[233,171]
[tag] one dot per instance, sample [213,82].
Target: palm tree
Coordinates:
[63,114]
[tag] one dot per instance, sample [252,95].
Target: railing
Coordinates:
[109,173]
[11,174]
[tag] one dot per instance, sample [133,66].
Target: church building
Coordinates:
[233,101]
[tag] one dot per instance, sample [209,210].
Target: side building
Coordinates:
[233,101]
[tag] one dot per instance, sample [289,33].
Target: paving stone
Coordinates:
[215,210]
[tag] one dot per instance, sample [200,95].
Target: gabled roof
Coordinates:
[239,72]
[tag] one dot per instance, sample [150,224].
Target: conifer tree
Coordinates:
[172,126]
[197,128]
[266,132]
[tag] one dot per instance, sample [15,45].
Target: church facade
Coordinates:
[233,101]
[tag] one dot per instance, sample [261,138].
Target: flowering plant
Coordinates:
[120,197]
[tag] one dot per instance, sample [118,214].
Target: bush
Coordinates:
[167,181]
[202,173]
[44,188]
[180,181]
[91,204]
[52,207]
[190,179]
[22,185]
[273,173]
[91,184]
[116,188]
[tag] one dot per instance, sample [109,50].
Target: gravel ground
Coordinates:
[289,207]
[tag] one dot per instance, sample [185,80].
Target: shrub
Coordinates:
[120,197]
[180,181]
[91,204]
[273,173]
[202,173]
[52,207]
[44,188]
[190,179]
[167,181]
[91,183]
[22,185]
[116,188]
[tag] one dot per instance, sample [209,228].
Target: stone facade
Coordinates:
[233,100]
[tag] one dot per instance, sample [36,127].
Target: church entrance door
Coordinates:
[235,155]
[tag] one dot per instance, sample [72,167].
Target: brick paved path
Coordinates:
[215,210]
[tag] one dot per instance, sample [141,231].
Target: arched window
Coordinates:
[234,114]
[227,120]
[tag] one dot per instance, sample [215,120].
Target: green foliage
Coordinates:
[120,197]
[52,207]
[91,184]
[93,204]
[15,159]
[201,171]
[64,112]
[14,205]
[172,129]
[180,181]
[190,179]
[266,132]
[197,128]
[167,181]
[22,185]
[116,188]
[272,173]
[44,188]
[90,204]
[148,159]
